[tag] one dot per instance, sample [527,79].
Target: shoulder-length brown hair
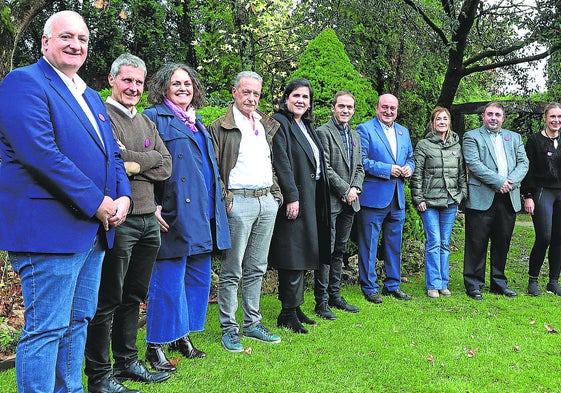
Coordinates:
[159,83]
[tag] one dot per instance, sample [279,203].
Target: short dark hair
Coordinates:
[159,84]
[342,93]
[293,85]
[496,104]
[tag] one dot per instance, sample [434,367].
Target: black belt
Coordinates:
[249,192]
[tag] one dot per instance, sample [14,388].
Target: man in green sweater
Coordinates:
[128,266]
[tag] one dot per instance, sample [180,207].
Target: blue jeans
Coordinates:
[438,224]
[251,222]
[60,296]
[372,221]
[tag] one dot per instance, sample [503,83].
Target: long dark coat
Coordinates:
[303,243]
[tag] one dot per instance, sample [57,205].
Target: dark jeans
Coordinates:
[327,278]
[547,225]
[481,226]
[124,284]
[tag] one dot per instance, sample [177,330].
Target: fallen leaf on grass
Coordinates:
[248,350]
[532,321]
[550,329]
[175,361]
[516,348]
[471,352]
[430,358]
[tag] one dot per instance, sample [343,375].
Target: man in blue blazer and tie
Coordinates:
[387,158]
[63,189]
[497,163]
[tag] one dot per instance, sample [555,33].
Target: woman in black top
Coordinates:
[542,199]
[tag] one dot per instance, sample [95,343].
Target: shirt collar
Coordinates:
[75,84]
[121,107]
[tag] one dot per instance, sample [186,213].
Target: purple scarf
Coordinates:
[187,117]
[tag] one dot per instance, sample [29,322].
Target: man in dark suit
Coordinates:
[63,189]
[341,149]
[497,163]
[387,157]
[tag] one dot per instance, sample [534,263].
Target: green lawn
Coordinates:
[426,345]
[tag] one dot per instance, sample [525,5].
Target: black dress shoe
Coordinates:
[341,304]
[303,317]
[186,348]
[373,297]
[323,311]
[398,294]
[289,319]
[475,294]
[136,371]
[156,356]
[109,385]
[506,291]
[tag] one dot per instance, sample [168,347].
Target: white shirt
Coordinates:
[502,165]
[253,169]
[121,107]
[389,131]
[313,146]
[77,87]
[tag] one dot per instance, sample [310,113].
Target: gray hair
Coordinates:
[127,59]
[48,28]
[159,83]
[247,74]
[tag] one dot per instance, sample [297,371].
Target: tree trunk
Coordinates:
[13,22]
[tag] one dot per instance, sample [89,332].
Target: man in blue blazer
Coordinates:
[63,189]
[497,163]
[387,158]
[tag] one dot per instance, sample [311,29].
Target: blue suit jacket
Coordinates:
[377,159]
[483,177]
[55,171]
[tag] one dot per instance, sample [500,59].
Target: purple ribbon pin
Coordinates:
[147,142]
[101,117]
[400,132]
[454,153]
[507,138]
[354,143]
[549,154]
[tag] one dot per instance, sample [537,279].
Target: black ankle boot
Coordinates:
[303,317]
[157,359]
[553,287]
[288,319]
[533,288]
[186,348]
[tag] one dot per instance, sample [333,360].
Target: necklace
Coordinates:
[555,140]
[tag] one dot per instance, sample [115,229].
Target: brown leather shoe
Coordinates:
[186,348]
[156,356]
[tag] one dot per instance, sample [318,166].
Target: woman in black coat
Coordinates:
[301,239]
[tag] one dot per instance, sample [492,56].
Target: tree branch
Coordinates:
[428,21]
[519,60]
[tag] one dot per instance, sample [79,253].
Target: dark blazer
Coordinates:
[183,196]
[377,159]
[483,177]
[55,171]
[341,173]
[302,243]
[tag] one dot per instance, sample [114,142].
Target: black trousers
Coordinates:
[125,278]
[291,287]
[494,225]
[547,226]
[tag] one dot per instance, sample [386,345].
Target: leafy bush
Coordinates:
[326,65]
